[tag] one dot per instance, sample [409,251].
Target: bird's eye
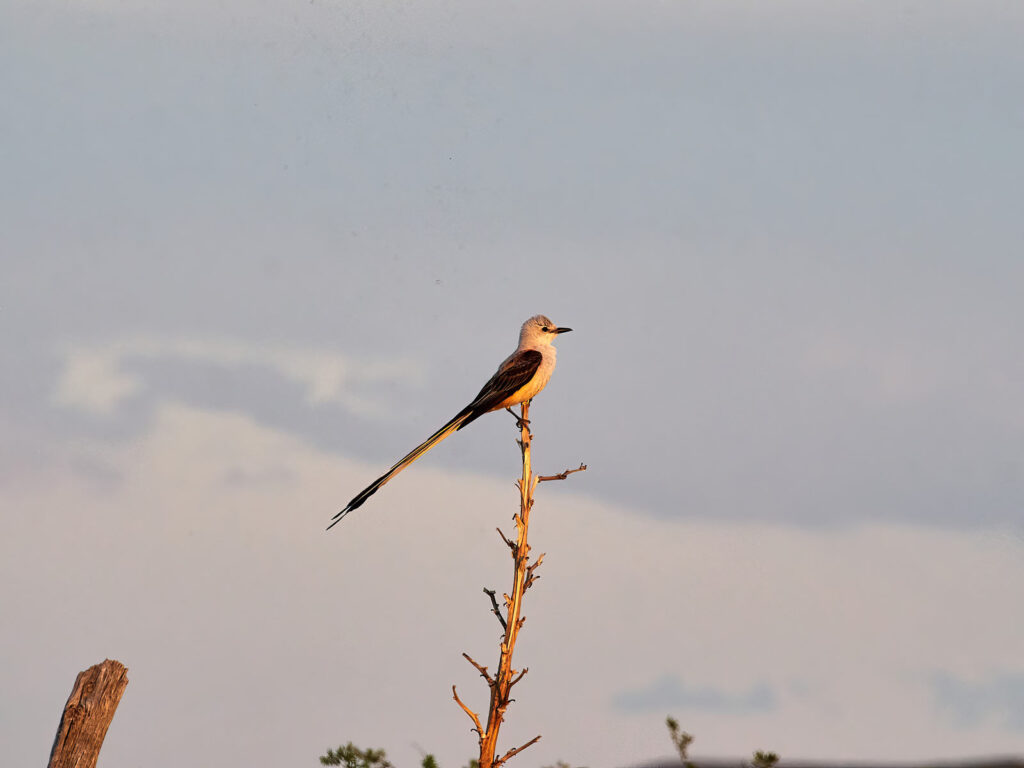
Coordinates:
[545,329]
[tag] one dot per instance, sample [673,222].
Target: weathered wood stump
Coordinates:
[87,715]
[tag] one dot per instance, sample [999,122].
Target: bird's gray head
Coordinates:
[540,329]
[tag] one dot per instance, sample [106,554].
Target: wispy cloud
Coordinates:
[92,381]
[999,699]
[94,378]
[668,692]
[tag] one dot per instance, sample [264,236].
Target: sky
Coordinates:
[251,253]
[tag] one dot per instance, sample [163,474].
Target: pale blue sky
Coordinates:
[788,235]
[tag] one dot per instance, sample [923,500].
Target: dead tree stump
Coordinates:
[87,715]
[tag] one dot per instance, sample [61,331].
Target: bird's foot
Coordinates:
[521,423]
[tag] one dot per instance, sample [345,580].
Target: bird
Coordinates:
[520,377]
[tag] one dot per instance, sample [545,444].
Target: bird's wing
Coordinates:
[514,374]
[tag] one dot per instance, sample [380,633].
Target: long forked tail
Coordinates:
[464,417]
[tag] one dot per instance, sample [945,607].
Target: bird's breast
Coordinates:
[539,380]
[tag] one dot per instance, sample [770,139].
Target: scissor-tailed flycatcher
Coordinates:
[517,380]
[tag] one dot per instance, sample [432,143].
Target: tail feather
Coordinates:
[463,418]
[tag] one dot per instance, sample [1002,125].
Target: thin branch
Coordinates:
[511,544]
[518,677]
[530,578]
[482,670]
[516,751]
[468,711]
[561,475]
[535,564]
[494,607]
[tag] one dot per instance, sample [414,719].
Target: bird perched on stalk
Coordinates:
[518,379]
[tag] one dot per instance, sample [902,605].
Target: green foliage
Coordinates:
[764,760]
[681,740]
[352,756]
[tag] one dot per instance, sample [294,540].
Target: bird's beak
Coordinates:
[562,330]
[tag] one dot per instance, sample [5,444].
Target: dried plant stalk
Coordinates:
[523,576]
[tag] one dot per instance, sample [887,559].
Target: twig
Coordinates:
[518,677]
[494,607]
[482,670]
[561,475]
[511,544]
[530,578]
[468,711]
[516,751]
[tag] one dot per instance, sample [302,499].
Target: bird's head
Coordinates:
[540,330]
